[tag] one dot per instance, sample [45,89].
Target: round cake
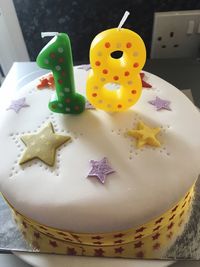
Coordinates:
[99,183]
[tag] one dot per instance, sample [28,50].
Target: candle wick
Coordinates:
[124,18]
[48,34]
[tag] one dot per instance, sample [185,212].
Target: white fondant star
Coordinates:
[100,169]
[17,104]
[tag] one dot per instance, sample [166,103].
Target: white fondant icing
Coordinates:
[147,181]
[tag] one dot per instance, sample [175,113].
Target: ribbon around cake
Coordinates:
[168,219]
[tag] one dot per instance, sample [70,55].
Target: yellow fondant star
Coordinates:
[145,135]
[42,145]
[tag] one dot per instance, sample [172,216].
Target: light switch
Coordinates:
[190,29]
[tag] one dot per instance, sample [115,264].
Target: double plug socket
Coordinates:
[176,34]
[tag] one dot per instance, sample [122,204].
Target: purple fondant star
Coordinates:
[100,169]
[88,105]
[160,103]
[17,104]
[85,67]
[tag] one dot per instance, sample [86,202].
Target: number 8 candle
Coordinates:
[57,56]
[125,71]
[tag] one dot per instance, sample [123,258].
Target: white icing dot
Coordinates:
[67,90]
[46,61]
[60,49]
[67,109]
[58,67]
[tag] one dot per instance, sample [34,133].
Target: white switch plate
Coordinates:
[176,34]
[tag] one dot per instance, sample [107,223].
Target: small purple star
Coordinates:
[85,67]
[88,105]
[100,169]
[17,104]
[160,103]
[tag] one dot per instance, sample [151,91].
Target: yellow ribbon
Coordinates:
[167,220]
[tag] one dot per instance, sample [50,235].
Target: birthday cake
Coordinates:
[100,183]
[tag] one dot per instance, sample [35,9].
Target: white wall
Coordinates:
[12,45]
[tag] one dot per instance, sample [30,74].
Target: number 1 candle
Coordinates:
[124,71]
[57,56]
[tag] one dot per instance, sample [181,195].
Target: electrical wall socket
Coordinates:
[176,34]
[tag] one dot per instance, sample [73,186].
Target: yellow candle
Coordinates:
[123,71]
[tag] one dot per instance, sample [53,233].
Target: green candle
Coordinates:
[57,57]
